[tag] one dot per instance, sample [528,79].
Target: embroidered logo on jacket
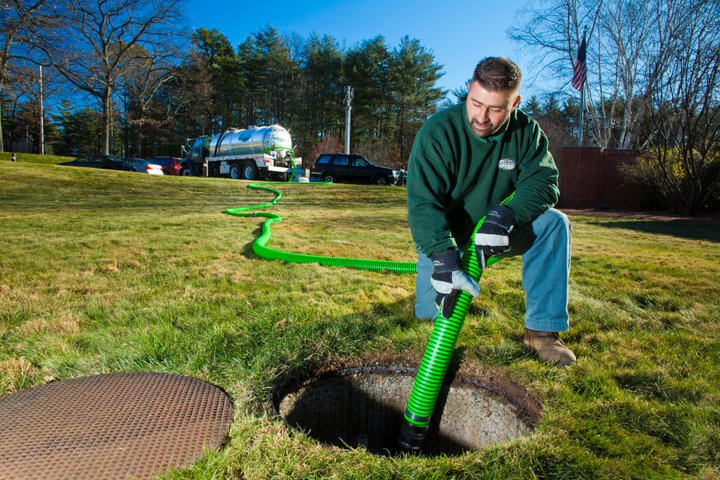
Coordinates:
[506,164]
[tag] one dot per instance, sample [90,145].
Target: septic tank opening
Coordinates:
[362,406]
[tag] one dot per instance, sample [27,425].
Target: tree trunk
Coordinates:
[138,143]
[107,112]
[2,149]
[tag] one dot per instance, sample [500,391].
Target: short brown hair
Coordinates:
[497,74]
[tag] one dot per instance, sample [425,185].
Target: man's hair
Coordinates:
[497,74]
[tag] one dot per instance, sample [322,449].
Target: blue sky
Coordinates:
[458,32]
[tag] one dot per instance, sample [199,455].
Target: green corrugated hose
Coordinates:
[262,250]
[437,356]
[441,345]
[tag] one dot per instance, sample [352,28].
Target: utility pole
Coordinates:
[42,116]
[349,92]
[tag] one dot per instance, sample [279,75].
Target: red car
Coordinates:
[173,165]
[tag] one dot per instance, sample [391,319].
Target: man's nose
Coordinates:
[483,115]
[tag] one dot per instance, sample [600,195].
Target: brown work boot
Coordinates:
[549,347]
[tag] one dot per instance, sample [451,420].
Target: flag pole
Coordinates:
[42,115]
[582,89]
[581,116]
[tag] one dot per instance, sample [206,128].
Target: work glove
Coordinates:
[492,237]
[448,279]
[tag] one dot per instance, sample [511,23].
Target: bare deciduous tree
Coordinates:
[102,41]
[145,75]
[17,17]
[619,40]
[654,83]
[26,98]
[683,163]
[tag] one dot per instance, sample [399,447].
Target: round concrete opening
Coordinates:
[362,406]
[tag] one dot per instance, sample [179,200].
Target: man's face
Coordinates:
[487,111]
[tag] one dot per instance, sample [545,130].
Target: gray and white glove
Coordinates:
[448,279]
[493,236]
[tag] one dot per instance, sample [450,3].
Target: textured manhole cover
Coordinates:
[115,426]
[363,406]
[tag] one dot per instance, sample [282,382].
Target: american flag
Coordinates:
[580,68]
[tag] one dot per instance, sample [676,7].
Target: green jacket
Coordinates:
[455,177]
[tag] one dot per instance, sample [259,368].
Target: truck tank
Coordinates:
[254,140]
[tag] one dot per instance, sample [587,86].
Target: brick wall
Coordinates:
[593,178]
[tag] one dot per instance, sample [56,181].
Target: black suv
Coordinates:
[340,167]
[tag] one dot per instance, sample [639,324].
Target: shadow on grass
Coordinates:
[690,229]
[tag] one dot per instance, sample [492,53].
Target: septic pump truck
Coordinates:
[250,154]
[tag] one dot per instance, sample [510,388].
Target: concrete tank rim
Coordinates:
[471,374]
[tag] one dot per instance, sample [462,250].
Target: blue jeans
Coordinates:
[545,276]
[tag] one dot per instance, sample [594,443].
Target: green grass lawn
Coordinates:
[33,158]
[105,271]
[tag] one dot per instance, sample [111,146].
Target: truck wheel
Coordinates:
[328,177]
[380,180]
[235,171]
[250,170]
[186,172]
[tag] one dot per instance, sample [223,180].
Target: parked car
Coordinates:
[108,162]
[340,167]
[173,165]
[143,166]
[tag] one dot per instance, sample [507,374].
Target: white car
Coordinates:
[154,169]
[143,166]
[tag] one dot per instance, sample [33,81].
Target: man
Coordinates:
[464,162]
